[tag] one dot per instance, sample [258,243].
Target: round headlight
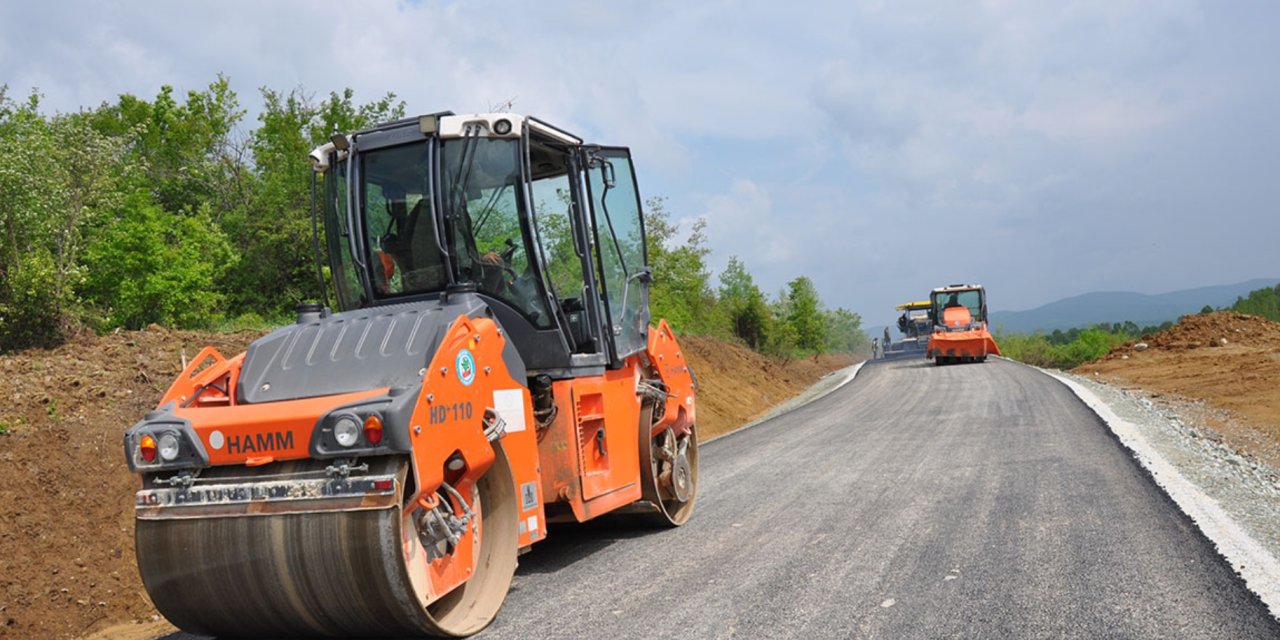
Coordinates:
[346,430]
[502,127]
[168,446]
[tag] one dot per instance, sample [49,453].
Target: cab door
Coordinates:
[622,261]
[607,408]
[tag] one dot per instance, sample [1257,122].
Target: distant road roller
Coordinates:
[377,470]
[960,334]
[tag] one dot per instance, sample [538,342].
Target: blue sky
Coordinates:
[1045,149]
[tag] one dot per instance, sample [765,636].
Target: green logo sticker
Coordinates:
[466,365]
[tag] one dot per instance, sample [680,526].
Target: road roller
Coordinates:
[960,334]
[481,364]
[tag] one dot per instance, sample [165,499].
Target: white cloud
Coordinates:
[867,144]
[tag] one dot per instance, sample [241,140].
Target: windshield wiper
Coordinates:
[488,209]
[456,207]
[459,194]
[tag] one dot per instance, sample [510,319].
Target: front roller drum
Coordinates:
[329,573]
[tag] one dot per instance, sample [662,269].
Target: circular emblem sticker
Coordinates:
[466,365]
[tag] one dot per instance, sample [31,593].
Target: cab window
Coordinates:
[490,246]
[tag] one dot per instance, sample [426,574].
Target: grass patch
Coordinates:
[1071,348]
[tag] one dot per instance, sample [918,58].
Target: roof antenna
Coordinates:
[504,106]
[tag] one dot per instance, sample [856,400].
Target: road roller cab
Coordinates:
[375,470]
[959,314]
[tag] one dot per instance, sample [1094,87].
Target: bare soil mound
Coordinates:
[66,496]
[1223,366]
[67,565]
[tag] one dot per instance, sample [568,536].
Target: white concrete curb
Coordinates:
[1260,570]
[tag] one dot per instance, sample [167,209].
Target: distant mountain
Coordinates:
[1118,306]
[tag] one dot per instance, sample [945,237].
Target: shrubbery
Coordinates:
[1071,348]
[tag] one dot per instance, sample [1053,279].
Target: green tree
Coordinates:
[744,303]
[844,332]
[1263,302]
[273,230]
[805,315]
[681,290]
[186,149]
[59,181]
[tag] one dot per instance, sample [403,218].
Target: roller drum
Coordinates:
[336,574]
[324,572]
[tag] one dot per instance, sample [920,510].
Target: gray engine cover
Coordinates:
[351,351]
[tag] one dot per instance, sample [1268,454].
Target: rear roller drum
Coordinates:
[668,472]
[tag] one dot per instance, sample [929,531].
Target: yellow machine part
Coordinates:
[919,305]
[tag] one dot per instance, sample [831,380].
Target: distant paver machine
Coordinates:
[915,325]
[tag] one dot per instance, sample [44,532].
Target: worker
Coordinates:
[875,348]
[384,265]
[953,301]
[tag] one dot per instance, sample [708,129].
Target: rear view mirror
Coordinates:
[606,174]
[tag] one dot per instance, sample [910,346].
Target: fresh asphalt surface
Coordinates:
[978,500]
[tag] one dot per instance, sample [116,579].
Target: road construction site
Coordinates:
[913,501]
[926,509]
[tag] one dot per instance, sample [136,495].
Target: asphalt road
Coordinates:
[977,500]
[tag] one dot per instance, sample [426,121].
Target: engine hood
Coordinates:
[387,346]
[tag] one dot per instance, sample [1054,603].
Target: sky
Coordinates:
[1043,149]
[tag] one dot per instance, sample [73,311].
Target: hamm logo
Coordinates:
[466,365]
[259,442]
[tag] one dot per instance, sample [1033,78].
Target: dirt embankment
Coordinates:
[1221,368]
[66,496]
[736,384]
[67,566]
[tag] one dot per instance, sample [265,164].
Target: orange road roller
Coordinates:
[959,313]
[490,369]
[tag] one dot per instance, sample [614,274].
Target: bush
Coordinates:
[1057,351]
[153,266]
[1032,349]
[30,310]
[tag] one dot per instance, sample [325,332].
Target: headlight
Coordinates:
[346,431]
[168,446]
